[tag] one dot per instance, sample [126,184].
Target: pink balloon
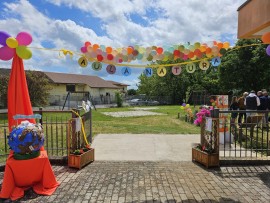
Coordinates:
[24,38]
[83,49]
[6,53]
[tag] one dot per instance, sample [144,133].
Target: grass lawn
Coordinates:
[167,124]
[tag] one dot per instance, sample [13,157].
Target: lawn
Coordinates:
[167,124]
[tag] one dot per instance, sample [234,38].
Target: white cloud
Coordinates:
[166,23]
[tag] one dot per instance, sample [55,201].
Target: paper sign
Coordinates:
[208,124]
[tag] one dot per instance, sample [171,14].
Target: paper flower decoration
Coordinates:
[18,45]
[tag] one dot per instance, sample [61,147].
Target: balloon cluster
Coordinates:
[266,40]
[194,51]
[18,45]
[187,109]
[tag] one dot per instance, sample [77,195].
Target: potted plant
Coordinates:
[81,157]
[207,152]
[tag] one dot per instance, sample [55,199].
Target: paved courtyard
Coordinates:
[105,181]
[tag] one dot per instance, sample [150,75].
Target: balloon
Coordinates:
[220,45]
[204,65]
[176,70]
[161,71]
[148,72]
[181,48]
[268,50]
[181,107]
[187,105]
[99,57]
[102,47]
[197,45]
[24,38]
[86,44]
[111,69]
[110,57]
[129,50]
[184,104]
[12,42]
[6,53]
[203,48]
[191,48]
[226,45]
[109,50]
[216,61]
[135,52]
[159,50]
[126,71]
[176,53]
[208,50]
[150,57]
[190,55]
[83,49]
[23,52]
[96,66]
[3,38]
[83,62]
[95,46]
[190,68]
[266,38]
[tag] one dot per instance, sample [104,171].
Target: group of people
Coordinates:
[250,101]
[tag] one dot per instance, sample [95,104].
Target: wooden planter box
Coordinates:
[78,161]
[207,160]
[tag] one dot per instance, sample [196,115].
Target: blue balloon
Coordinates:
[216,61]
[126,71]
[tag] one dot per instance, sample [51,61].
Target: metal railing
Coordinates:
[248,139]
[55,126]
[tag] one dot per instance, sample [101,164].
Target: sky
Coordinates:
[68,24]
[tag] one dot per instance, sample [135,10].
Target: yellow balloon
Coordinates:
[12,42]
[23,52]
[187,105]
[226,45]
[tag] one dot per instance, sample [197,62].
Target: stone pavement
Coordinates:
[137,181]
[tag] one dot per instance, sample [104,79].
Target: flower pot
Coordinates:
[208,160]
[78,161]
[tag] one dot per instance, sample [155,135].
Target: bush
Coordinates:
[119,99]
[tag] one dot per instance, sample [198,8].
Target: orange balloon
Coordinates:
[208,50]
[203,48]
[109,50]
[190,55]
[220,45]
[129,50]
[226,45]
[266,38]
[95,46]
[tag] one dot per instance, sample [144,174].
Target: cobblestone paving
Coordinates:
[158,182]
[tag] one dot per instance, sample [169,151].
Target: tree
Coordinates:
[131,92]
[245,69]
[3,90]
[38,87]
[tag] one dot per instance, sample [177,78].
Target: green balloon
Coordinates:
[23,52]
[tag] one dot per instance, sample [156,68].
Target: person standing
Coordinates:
[234,106]
[252,102]
[242,106]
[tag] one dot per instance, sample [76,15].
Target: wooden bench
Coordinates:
[250,124]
